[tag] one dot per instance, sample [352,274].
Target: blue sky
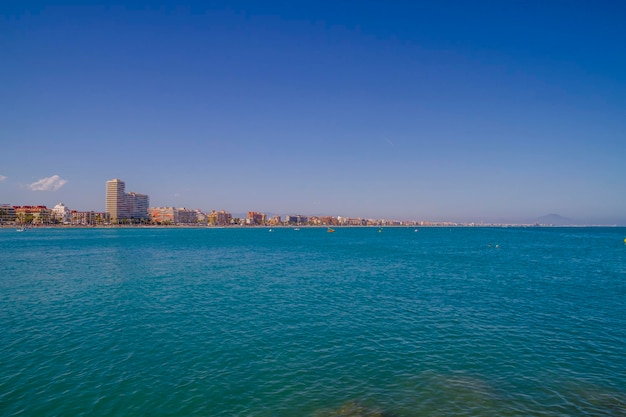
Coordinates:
[452,110]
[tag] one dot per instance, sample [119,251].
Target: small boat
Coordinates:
[20,229]
[330,230]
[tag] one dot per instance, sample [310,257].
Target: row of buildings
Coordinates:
[123,207]
[170,216]
[42,215]
[134,208]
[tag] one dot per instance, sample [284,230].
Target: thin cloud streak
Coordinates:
[52,183]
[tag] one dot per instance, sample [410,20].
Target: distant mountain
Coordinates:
[554,219]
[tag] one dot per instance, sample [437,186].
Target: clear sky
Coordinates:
[434,110]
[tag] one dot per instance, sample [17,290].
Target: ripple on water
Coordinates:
[244,323]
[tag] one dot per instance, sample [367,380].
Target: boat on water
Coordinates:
[330,230]
[20,229]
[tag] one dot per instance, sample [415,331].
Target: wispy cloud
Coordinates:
[2,178]
[52,183]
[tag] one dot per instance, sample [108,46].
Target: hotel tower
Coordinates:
[116,201]
[121,205]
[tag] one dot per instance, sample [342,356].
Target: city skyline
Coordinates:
[133,208]
[447,112]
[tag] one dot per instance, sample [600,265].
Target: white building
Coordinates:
[62,213]
[124,206]
[116,200]
[137,205]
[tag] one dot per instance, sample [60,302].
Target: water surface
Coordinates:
[247,322]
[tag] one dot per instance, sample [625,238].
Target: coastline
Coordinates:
[237,226]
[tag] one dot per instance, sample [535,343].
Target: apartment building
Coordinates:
[123,206]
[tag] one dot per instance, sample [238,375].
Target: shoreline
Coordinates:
[193,226]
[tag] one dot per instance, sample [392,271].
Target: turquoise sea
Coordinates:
[253,322]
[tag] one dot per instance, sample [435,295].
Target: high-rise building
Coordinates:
[116,203]
[121,205]
[137,205]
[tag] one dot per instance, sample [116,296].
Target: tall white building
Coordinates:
[116,203]
[121,205]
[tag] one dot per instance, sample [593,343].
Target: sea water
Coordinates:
[286,322]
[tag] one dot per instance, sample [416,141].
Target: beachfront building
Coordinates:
[323,220]
[187,216]
[173,215]
[33,214]
[116,201]
[255,218]
[89,218]
[274,220]
[219,218]
[202,217]
[7,213]
[122,206]
[224,218]
[83,218]
[297,219]
[163,215]
[62,213]
[137,205]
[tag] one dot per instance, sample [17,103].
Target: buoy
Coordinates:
[624,240]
